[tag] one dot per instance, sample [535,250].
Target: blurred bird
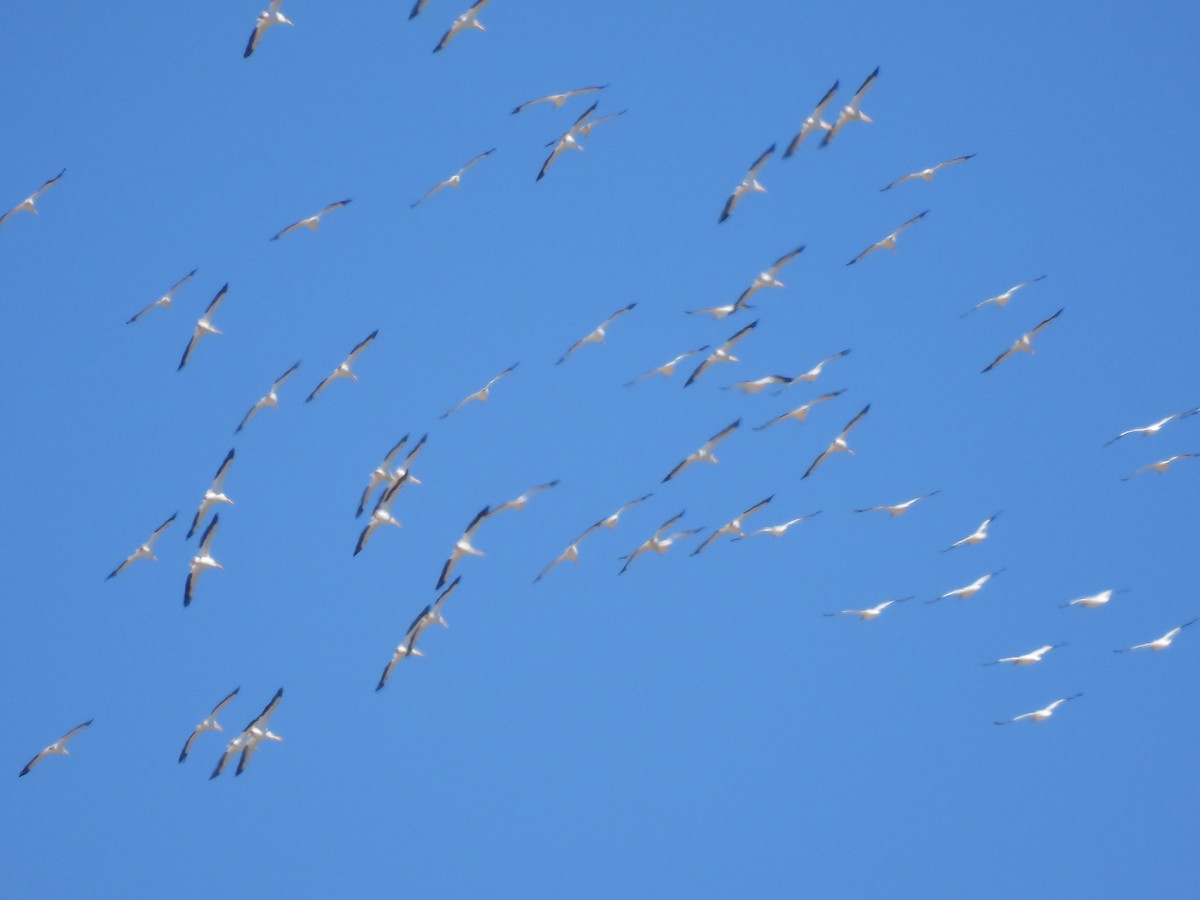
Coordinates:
[312,221]
[1162,465]
[268,17]
[975,537]
[520,502]
[839,443]
[667,369]
[734,527]
[900,508]
[970,590]
[1002,299]
[1154,427]
[928,174]
[271,398]
[596,336]
[748,184]
[383,473]
[1093,601]
[705,453]
[58,748]
[210,723]
[466,20]
[867,615]
[1026,659]
[204,325]
[463,546]
[29,203]
[769,278]
[1161,643]
[778,530]
[800,413]
[381,514]
[1024,343]
[558,100]
[214,494]
[1041,715]
[889,242]
[165,300]
[481,395]
[455,180]
[251,737]
[201,561]
[343,369]
[657,542]
[722,354]
[815,372]
[852,111]
[814,122]
[145,551]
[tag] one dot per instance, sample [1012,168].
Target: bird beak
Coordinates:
[734,359]
[864,117]
[287,21]
[414,479]
[217,725]
[416,652]
[218,565]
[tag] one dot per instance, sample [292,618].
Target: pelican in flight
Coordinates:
[454,181]
[667,369]
[769,278]
[975,537]
[214,494]
[800,413]
[210,723]
[523,500]
[1026,659]
[383,473]
[970,590]
[559,99]
[481,395]
[718,312]
[1001,300]
[268,17]
[250,738]
[1154,427]
[1093,601]
[657,542]
[469,19]
[747,184]
[430,615]
[382,513]
[463,546]
[312,221]
[1161,466]
[778,530]
[890,241]
[29,203]
[705,453]
[343,370]
[1041,715]
[839,443]
[734,526]
[58,748]
[759,384]
[145,551]
[271,398]
[165,300]
[814,122]
[1023,343]
[852,111]
[722,354]
[571,554]
[898,509]
[815,372]
[569,140]
[867,615]
[201,561]
[204,325]
[596,336]
[1161,643]
[928,174]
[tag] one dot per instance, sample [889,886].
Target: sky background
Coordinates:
[693,727]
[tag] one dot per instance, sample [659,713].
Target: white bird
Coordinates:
[814,122]
[210,723]
[1001,300]
[759,384]
[454,181]
[852,111]
[1093,601]
[251,737]
[214,494]
[559,99]
[145,551]
[343,370]
[898,509]
[1026,659]
[469,19]
[975,537]
[569,139]
[481,395]
[201,561]
[596,336]
[867,615]
[657,542]
[520,502]
[734,526]
[747,184]
[1041,715]
[1023,343]
[312,221]
[717,312]
[769,278]
[667,369]
[839,443]
[1154,427]
[1162,465]
[705,453]
[271,398]
[165,300]
[815,372]
[928,174]
[268,17]
[430,615]
[890,241]
[204,325]
[58,748]
[610,521]
[463,546]
[722,354]
[29,203]
[383,473]
[970,590]
[779,530]
[1161,643]
[800,413]
[382,513]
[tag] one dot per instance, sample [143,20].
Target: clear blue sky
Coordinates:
[694,727]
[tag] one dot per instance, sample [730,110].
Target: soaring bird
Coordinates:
[204,325]
[570,139]
[1154,427]
[814,122]
[898,509]
[852,111]
[596,336]
[970,590]
[523,500]
[839,443]
[210,723]
[705,453]
[481,395]
[382,513]
[667,369]
[214,494]
[1161,643]
[1001,300]
[271,398]
[778,530]
[268,17]
[165,300]
[29,203]
[1026,659]
[722,354]
[1041,715]
[571,554]
[975,537]
[800,413]
[312,221]
[455,180]
[463,546]
[145,551]
[383,473]
[890,241]
[469,19]
[1161,466]
[58,748]
[559,99]
[343,370]
[815,372]
[1093,601]
[1023,343]
[747,184]
[760,384]
[867,615]
[201,561]
[769,278]
[734,526]
[250,738]
[928,174]
[658,542]
[430,615]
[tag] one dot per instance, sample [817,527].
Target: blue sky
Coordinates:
[693,727]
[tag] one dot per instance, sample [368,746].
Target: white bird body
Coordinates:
[214,494]
[266,19]
[705,453]
[58,748]
[852,111]
[165,300]
[1001,300]
[814,122]
[469,19]
[1041,715]
[1025,659]
[898,509]
[145,551]
[867,615]
[480,395]
[1161,643]
[889,242]
[722,354]
[250,738]
[800,413]
[1023,344]
[202,561]
[210,723]
[839,444]
[927,174]
[29,204]
[749,184]
[975,537]
[970,590]
[270,399]
[204,325]
[312,221]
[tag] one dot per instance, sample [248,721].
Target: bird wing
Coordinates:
[816,117]
[857,99]
[231,748]
[47,184]
[247,752]
[258,404]
[955,161]
[816,462]
[207,538]
[858,418]
[365,536]
[558,148]
[429,193]
[687,461]
[731,203]
[708,540]
[417,7]
[1001,358]
[760,162]
[187,745]
[502,374]
[476,158]
[260,721]
[160,529]
[191,345]
[320,387]
[333,206]
[785,259]
[869,250]
[914,220]
[721,435]
[1042,324]
[284,231]
[575,346]
[223,470]
[361,346]
[284,377]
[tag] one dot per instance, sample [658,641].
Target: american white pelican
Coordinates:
[705,453]
[814,122]
[722,354]
[800,413]
[769,278]
[1026,659]
[568,140]
[928,174]
[778,530]
[734,526]
[145,551]
[1041,715]
[250,738]
[343,370]
[1162,465]
[520,502]
[1161,643]
[839,443]
[165,300]
[667,369]
[975,537]
[1001,300]
[657,542]
[463,547]
[469,19]
[890,241]
[204,325]
[1023,343]
[559,99]
[430,615]
[59,748]
[201,561]
[610,521]
[1093,601]
[29,203]
[900,508]
[1154,427]
[271,398]
[571,554]
[815,372]
[970,590]
[312,221]
[749,183]
[867,615]
[717,312]
[759,384]
[383,473]
[454,181]
[214,494]
[481,395]
[852,111]
[596,336]
[268,17]
[210,723]
[382,513]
